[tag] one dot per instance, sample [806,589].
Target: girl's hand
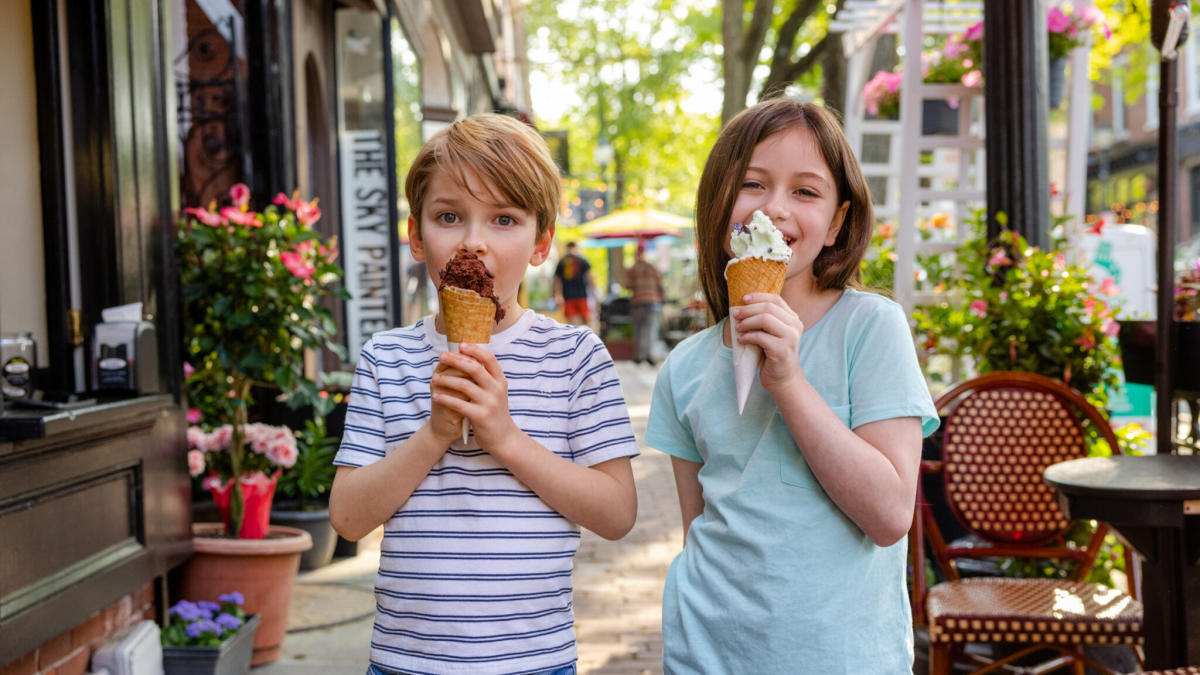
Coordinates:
[445,423]
[478,390]
[767,321]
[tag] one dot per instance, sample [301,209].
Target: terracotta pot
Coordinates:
[262,570]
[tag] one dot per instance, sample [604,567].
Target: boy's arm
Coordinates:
[601,497]
[363,498]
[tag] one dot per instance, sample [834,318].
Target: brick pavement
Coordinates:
[618,585]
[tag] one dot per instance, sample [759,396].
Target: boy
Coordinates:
[475,571]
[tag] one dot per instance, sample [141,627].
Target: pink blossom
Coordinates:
[1057,20]
[297,265]
[187,370]
[205,216]
[193,416]
[196,438]
[236,215]
[1003,296]
[1087,340]
[978,308]
[290,203]
[1091,16]
[308,213]
[195,462]
[1109,287]
[999,257]
[1111,328]
[240,194]
[974,33]
[972,78]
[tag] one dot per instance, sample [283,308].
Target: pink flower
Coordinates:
[290,203]
[193,416]
[196,438]
[974,33]
[308,213]
[1109,287]
[236,215]
[187,370]
[978,308]
[999,257]
[1111,328]
[1087,340]
[240,194]
[205,216]
[972,78]
[1091,16]
[297,265]
[195,463]
[1057,20]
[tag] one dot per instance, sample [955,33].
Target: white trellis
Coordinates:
[954,181]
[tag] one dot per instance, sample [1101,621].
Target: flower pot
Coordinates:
[1058,80]
[315,522]
[938,118]
[263,570]
[257,495]
[232,657]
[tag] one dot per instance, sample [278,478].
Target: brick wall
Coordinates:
[71,652]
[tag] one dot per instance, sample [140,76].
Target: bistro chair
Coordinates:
[1000,431]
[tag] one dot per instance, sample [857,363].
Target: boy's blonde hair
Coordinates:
[506,153]
[836,266]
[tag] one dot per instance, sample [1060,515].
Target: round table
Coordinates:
[1154,503]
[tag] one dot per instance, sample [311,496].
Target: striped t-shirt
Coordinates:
[475,571]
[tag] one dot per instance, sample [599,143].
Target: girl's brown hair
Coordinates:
[506,153]
[836,266]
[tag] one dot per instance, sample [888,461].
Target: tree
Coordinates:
[629,65]
[744,38]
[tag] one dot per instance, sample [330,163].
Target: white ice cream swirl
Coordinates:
[759,239]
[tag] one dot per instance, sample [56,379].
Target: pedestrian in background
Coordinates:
[573,286]
[645,281]
[795,512]
[479,536]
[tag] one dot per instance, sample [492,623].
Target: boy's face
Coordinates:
[478,220]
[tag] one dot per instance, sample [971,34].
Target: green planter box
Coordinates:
[231,658]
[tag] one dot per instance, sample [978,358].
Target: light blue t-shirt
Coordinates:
[773,577]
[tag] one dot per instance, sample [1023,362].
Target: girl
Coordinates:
[794,512]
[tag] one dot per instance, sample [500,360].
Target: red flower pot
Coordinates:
[258,491]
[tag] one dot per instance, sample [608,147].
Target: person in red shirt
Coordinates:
[573,286]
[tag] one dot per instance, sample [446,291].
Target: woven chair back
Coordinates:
[997,441]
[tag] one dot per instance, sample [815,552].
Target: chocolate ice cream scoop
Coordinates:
[467,271]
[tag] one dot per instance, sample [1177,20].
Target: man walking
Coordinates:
[644,280]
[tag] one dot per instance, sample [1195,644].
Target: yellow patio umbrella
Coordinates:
[634,224]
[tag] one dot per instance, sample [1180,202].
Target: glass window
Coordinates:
[417,293]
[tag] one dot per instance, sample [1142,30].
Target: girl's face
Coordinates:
[478,221]
[790,183]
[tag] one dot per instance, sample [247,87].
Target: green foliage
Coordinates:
[1012,306]
[311,476]
[251,305]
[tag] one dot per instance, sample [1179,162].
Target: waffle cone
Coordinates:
[469,316]
[754,275]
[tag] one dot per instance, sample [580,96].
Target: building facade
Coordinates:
[121,114]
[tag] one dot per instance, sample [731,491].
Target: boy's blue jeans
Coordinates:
[376,670]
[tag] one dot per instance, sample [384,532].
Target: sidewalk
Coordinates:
[618,585]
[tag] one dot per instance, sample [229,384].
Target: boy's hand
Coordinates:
[475,387]
[767,321]
[445,423]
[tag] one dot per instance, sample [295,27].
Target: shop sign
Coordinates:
[366,234]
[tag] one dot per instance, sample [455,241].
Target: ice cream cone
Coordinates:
[749,275]
[469,317]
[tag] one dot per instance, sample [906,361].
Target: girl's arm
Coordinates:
[691,495]
[363,498]
[601,497]
[871,472]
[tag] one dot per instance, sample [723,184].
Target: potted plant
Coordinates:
[1068,30]
[304,488]
[252,285]
[208,638]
